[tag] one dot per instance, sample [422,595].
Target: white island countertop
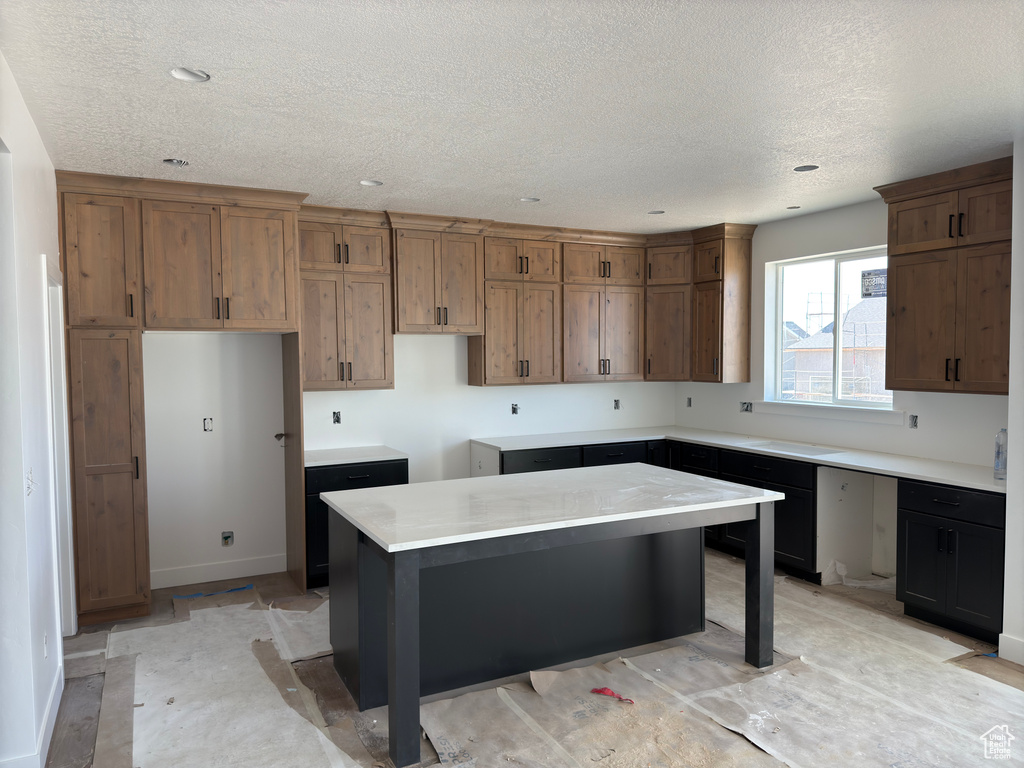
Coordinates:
[354,455]
[874,462]
[405,517]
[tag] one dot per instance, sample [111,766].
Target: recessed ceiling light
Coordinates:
[529,199]
[371,183]
[176,162]
[805,168]
[190,75]
[654,213]
[792,207]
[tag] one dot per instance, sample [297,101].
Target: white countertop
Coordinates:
[355,455]
[405,517]
[929,470]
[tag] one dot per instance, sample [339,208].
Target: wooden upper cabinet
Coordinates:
[503,258]
[583,332]
[322,329]
[707,331]
[625,265]
[101,236]
[584,263]
[542,331]
[542,261]
[603,336]
[259,268]
[985,213]
[669,331]
[923,224]
[439,280]
[707,261]
[344,247]
[109,465]
[670,265]
[983,319]
[624,333]
[181,247]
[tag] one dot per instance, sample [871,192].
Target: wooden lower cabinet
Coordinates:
[109,465]
[603,333]
[347,342]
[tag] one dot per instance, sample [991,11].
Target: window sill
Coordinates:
[834,412]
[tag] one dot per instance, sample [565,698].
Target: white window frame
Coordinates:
[776,355]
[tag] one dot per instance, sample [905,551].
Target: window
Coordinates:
[813,362]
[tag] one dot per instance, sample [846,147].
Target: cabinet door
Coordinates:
[462,283]
[923,224]
[101,237]
[983,319]
[625,265]
[322,330]
[542,261]
[795,524]
[368,348]
[542,331]
[707,331]
[108,444]
[582,335]
[974,575]
[624,333]
[503,333]
[417,281]
[366,250]
[181,261]
[320,245]
[921,542]
[985,213]
[259,268]
[707,261]
[669,346]
[503,258]
[921,305]
[670,265]
[583,263]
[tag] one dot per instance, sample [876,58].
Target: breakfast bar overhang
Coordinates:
[384,539]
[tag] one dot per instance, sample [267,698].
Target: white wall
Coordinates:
[951,427]
[31,677]
[231,479]
[432,413]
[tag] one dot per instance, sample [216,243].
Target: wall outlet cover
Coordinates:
[336,417]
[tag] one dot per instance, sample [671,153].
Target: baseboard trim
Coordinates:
[38,760]
[1011,648]
[228,569]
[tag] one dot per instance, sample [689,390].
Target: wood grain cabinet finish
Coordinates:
[670,265]
[948,320]
[603,337]
[325,246]
[109,465]
[605,264]
[101,235]
[979,214]
[507,258]
[707,261]
[347,341]
[259,268]
[669,332]
[721,312]
[439,281]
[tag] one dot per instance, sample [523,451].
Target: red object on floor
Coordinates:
[610,692]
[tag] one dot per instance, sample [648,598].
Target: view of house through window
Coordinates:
[815,363]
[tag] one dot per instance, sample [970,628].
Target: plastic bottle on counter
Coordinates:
[999,470]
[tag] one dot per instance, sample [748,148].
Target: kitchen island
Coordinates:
[384,539]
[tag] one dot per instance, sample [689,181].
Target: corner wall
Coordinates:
[31,658]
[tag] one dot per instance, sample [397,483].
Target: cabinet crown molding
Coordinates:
[948,181]
[460,225]
[327,215]
[182,191]
[720,231]
[564,234]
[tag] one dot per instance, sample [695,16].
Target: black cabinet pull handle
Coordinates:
[612,455]
[520,265]
[609,269]
[648,271]
[527,369]
[357,477]
[960,226]
[951,225]
[762,468]
[951,541]
[527,265]
[136,467]
[520,369]
[337,248]
[227,308]
[350,371]
[716,264]
[346,253]
[446,315]
[541,461]
[131,305]
[947,503]
[948,361]
[648,366]
[217,299]
[341,365]
[714,368]
[603,369]
[942,544]
[956,370]
[438,315]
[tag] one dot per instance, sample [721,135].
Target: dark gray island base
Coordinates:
[488,577]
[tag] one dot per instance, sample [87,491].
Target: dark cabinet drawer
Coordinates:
[657,453]
[796,474]
[345,477]
[955,503]
[514,462]
[795,526]
[614,453]
[689,457]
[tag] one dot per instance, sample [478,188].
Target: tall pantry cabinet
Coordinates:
[142,254]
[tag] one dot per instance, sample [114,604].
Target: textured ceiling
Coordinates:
[604,110]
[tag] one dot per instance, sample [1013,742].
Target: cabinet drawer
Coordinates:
[614,453]
[513,462]
[954,503]
[694,457]
[751,466]
[345,477]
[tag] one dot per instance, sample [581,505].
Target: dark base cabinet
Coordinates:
[339,477]
[950,556]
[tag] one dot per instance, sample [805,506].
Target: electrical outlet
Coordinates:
[617,405]
[227,538]
[515,409]
[912,421]
[208,425]
[746,407]
[336,417]
[689,402]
